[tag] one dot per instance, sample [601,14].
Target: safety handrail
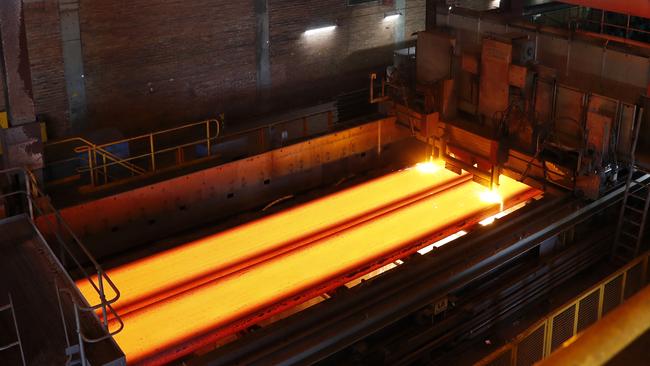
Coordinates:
[212,136]
[34,210]
[18,342]
[546,323]
[81,336]
[212,126]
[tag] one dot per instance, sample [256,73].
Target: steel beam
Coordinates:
[262,44]
[73,62]
[431,15]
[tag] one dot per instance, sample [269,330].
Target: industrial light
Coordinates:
[491,196]
[320,30]
[391,16]
[428,167]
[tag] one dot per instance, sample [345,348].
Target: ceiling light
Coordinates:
[391,16]
[320,30]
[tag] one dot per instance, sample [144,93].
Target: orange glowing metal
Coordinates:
[159,276]
[180,318]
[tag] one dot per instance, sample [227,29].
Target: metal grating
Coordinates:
[633,282]
[562,327]
[588,310]
[503,359]
[562,323]
[612,296]
[531,348]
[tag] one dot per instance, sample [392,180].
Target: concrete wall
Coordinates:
[151,64]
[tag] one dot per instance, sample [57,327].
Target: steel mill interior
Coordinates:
[332,182]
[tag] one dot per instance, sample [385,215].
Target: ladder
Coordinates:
[10,307]
[634,210]
[632,219]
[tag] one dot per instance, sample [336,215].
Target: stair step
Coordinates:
[635,223]
[633,209]
[633,236]
[72,350]
[627,248]
[640,198]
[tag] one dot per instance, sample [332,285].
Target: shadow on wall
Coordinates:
[134,113]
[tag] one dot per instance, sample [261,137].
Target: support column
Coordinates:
[22,142]
[431,14]
[400,23]
[73,62]
[262,45]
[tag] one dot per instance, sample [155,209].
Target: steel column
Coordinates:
[73,61]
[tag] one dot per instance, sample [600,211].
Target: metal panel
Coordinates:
[502,360]
[531,348]
[434,52]
[612,294]
[495,70]
[588,313]
[633,280]
[568,116]
[562,327]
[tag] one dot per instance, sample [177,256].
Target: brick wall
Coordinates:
[45,56]
[152,64]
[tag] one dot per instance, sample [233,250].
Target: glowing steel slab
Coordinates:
[157,277]
[214,305]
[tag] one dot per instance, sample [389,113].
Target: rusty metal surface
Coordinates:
[495,70]
[16,63]
[434,51]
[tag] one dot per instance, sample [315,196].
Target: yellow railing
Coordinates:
[548,334]
[144,151]
[169,148]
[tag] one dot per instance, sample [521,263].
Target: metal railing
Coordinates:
[10,307]
[36,204]
[606,27]
[81,337]
[161,150]
[147,149]
[548,334]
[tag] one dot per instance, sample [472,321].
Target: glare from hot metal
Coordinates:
[180,318]
[150,279]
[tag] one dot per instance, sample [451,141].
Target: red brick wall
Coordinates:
[45,56]
[151,64]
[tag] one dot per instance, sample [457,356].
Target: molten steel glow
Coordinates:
[429,167]
[491,196]
[157,277]
[180,318]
